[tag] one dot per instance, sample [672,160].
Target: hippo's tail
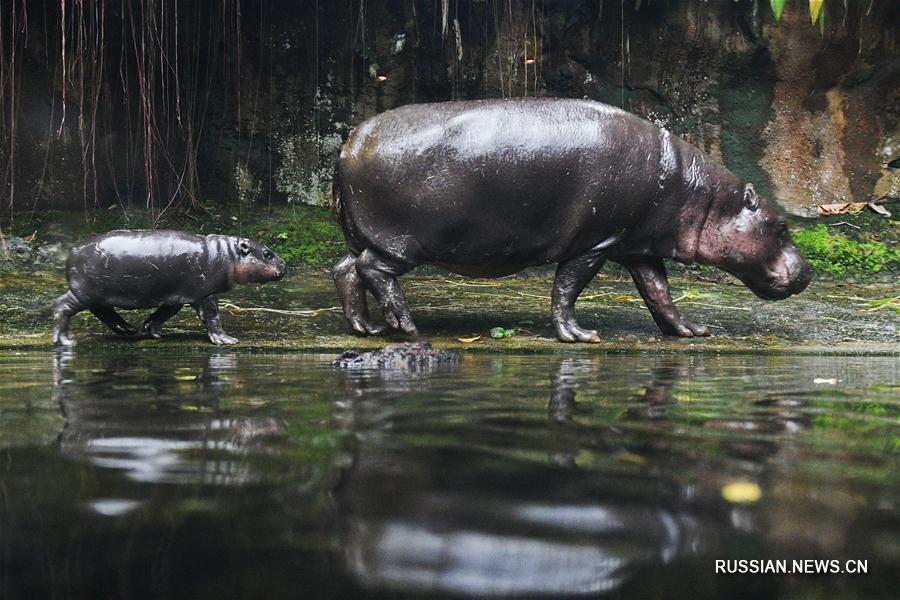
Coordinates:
[336,192]
[337,208]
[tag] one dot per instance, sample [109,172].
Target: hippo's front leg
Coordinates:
[571,278]
[649,276]
[208,311]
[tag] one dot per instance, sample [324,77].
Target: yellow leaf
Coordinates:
[185,377]
[741,492]
[469,340]
[631,458]
[815,6]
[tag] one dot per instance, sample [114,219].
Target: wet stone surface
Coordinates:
[828,317]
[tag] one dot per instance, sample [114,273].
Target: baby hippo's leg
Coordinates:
[571,278]
[65,307]
[113,320]
[208,311]
[160,315]
[649,276]
[353,296]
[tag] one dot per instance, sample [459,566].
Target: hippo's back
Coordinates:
[503,183]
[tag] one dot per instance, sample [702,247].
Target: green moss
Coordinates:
[833,253]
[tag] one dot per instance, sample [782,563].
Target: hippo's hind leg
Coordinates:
[571,278]
[113,320]
[65,307]
[208,311]
[649,276]
[379,274]
[158,317]
[353,296]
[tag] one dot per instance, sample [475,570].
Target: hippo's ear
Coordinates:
[751,198]
[244,247]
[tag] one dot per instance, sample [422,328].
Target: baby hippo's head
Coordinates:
[256,263]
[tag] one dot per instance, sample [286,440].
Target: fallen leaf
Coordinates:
[841,208]
[880,209]
[469,340]
[31,237]
[741,492]
[823,380]
[630,457]
[185,377]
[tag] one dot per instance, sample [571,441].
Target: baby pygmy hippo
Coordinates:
[163,270]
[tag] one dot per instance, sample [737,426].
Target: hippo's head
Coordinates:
[746,235]
[256,263]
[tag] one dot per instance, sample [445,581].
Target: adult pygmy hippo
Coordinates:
[487,188]
[163,270]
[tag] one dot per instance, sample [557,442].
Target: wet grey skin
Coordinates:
[487,188]
[159,269]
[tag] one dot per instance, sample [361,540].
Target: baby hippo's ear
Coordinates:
[244,247]
[751,198]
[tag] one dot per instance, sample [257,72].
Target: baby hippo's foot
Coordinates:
[61,338]
[684,328]
[569,332]
[222,339]
[151,331]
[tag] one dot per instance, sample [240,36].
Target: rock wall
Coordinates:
[810,117]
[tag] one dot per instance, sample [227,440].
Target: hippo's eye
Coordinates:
[267,254]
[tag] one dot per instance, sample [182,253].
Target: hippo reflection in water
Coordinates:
[487,188]
[533,530]
[149,438]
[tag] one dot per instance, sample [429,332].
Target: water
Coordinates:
[228,475]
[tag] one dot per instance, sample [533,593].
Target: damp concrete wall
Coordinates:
[808,116]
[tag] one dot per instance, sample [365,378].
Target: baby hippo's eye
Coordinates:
[267,254]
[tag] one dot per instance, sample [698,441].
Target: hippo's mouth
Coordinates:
[771,292]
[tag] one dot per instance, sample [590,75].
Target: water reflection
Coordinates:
[553,532]
[223,475]
[157,422]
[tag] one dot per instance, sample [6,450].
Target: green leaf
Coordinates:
[498,333]
[778,8]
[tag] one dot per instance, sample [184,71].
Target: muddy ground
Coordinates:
[828,317]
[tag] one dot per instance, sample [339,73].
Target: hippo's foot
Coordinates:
[65,307]
[151,331]
[570,332]
[649,276]
[683,328]
[222,339]
[364,327]
[353,297]
[62,339]
[379,274]
[571,278]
